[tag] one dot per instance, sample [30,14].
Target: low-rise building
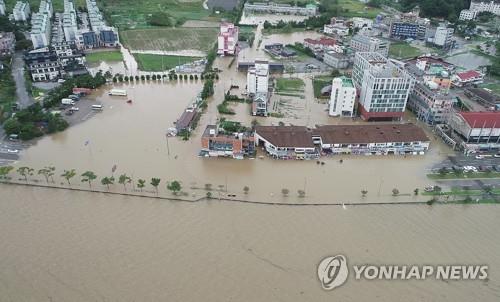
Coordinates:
[402,30]
[477,131]
[485,97]
[361,43]
[227,39]
[320,44]
[258,87]
[21,11]
[280,8]
[186,121]
[336,60]
[7,43]
[468,77]
[298,142]
[342,97]
[359,23]
[467,14]
[280,51]
[43,64]
[336,29]
[216,143]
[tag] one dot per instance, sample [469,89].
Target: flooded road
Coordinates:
[72,246]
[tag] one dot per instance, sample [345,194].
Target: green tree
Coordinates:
[25,172]
[209,195]
[155,182]
[5,170]
[89,176]
[68,174]
[364,192]
[416,191]
[246,189]
[395,192]
[47,172]
[124,179]
[174,186]
[141,183]
[107,181]
[301,193]
[285,192]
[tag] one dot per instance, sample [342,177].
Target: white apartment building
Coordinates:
[258,78]
[443,36]
[227,39]
[336,29]
[69,23]
[358,22]
[485,6]
[467,14]
[2,8]
[40,30]
[21,11]
[46,8]
[382,85]
[362,43]
[343,97]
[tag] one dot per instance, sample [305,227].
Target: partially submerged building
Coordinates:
[476,131]
[280,8]
[258,87]
[227,40]
[298,142]
[216,143]
[342,97]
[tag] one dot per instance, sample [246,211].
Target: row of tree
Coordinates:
[171,76]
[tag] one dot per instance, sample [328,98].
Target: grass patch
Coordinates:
[149,62]
[104,56]
[468,175]
[355,8]
[403,50]
[289,85]
[319,83]
[495,87]
[170,39]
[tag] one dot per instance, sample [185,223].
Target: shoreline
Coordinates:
[136,193]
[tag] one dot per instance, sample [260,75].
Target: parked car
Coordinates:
[12,151]
[74,109]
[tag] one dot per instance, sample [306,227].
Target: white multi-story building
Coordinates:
[343,97]
[40,30]
[443,36]
[467,14]
[227,39]
[361,22]
[336,29]
[485,6]
[362,43]
[46,8]
[383,86]
[258,78]
[69,23]
[21,11]
[2,8]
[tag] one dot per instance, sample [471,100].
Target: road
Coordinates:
[24,99]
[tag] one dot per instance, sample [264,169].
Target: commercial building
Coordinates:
[276,8]
[7,43]
[21,11]
[403,30]
[477,131]
[258,87]
[342,98]
[361,43]
[336,60]
[227,39]
[322,44]
[429,103]
[216,143]
[382,85]
[485,6]
[467,14]
[297,142]
[468,77]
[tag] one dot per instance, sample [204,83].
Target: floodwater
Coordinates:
[73,246]
[126,67]
[468,60]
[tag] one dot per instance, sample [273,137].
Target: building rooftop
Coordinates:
[373,133]
[321,41]
[347,82]
[468,75]
[486,95]
[287,136]
[482,119]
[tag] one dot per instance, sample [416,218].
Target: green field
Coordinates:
[148,62]
[495,87]
[289,85]
[402,50]
[170,39]
[319,83]
[106,56]
[355,8]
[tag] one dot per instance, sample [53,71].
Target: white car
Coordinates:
[12,151]
[74,108]
[497,155]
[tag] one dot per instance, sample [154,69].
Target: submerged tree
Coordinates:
[124,179]
[395,192]
[89,176]
[68,174]
[364,192]
[5,170]
[155,182]
[141,183]
[107,181]
[246,189]
[25,172]
[174,186]
[301,193]
[47,172]
[285,192]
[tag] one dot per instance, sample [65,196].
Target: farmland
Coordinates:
[149,62]
[170,39]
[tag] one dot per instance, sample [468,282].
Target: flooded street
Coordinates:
[69,246]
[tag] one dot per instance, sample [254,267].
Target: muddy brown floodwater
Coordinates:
[60,245]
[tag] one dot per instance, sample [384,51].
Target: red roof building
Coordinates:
[320,44]
[467,77]
[482,119]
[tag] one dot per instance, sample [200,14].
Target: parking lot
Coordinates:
[462,161]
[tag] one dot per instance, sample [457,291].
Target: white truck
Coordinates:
[118,92]
[67,102]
